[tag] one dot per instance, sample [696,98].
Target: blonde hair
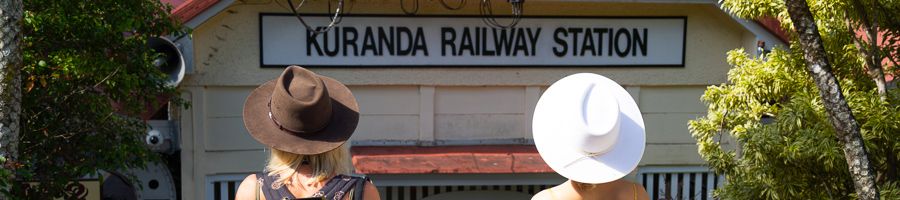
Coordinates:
[284,165]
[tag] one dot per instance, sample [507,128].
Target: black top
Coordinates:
[334,189]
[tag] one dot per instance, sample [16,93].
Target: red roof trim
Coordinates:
[448,159]
[191,8]
[773,26]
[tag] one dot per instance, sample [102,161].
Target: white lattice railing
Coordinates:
[669,183]
[679,183]
[223,187]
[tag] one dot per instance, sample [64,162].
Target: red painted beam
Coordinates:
[774,26]
[448,159]
[189,9]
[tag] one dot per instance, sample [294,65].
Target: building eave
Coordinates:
[472,159]
[195,12]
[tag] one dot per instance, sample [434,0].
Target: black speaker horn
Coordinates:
[170,60]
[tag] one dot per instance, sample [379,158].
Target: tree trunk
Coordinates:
[11,14]
[839,114]
[870,53]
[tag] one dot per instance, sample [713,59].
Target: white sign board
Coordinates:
[406,41]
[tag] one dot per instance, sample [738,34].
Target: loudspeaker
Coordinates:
[153,182]
[170,60]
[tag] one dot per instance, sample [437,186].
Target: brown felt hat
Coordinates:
[301,112]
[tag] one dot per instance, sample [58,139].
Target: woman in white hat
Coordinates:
[588,129]
[304,119]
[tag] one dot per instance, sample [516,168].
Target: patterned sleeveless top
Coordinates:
[335,189]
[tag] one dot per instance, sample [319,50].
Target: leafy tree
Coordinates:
[87,75]
[839,114]
[796,155]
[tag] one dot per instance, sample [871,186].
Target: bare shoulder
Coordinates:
[371,192]
[640,191]
[543,194]
[622,189]
[247,190]
[631,190]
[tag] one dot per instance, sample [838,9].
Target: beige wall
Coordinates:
[396,113]
[217,142]
[430,105]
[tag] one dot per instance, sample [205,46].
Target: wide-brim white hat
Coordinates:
[589,129]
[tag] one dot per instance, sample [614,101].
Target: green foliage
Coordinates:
[87,75]
[797,156]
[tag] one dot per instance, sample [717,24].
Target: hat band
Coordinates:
[296,132]
[588,155]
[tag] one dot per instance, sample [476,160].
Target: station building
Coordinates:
[446,100]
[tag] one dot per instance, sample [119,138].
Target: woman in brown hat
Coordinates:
[305,120]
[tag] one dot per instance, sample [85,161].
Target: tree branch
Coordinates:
[871,54]
[110,75]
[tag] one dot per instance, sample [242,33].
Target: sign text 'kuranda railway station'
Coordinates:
[465,41]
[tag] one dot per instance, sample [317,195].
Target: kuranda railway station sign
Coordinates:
[411,41]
